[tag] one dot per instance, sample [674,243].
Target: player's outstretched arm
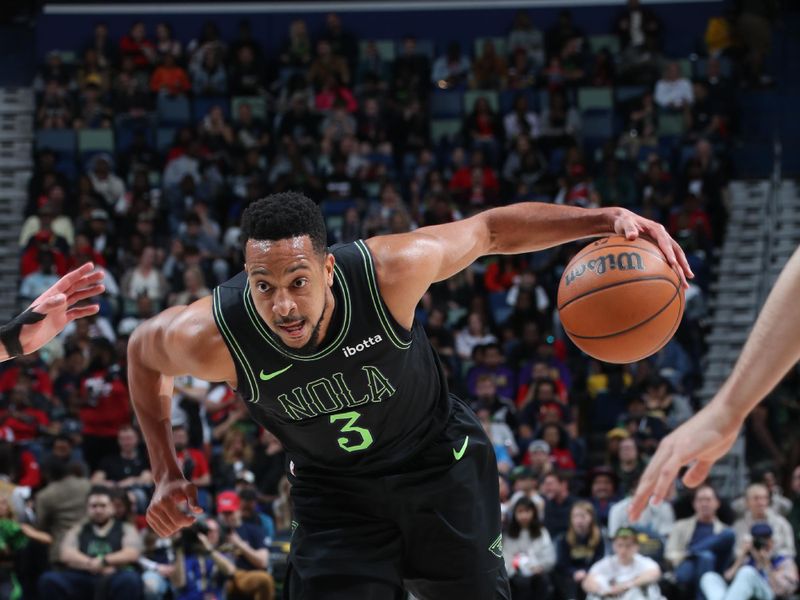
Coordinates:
[408,263]
[47,316]
[771,349]
[182,340]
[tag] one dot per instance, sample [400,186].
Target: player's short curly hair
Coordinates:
[282,216]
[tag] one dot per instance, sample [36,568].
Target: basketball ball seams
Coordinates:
[632,327]
[617,284]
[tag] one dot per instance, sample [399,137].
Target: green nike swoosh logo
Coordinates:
[267,376]
[458,454]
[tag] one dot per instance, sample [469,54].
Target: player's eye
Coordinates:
[298,283]
[262,286]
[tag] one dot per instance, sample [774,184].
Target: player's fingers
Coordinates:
[631,230]
[68,280]
[682,260]
[191,499]
[666,476]
[697,473]
[156,522]
[84,293]
[643,491]
[92,278]
[48,305]
[82,311]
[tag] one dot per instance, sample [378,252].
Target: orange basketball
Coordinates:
[620,301]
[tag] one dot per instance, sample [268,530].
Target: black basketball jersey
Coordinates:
[370,397]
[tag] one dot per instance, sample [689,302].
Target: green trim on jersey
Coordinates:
[261,328]
[369,267]
[216,306]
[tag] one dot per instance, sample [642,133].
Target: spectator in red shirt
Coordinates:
[475,183]
[170,78]
[25,421]
[17,464]
[29,370]
[691,219]
[557,438]
[105,403]
[192,462]
[136,45]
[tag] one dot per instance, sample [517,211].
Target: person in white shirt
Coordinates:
[528,552]
[625,575]
[674,91]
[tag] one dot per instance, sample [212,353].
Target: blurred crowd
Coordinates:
[149,148]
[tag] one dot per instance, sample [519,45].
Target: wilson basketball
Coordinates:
[619,300]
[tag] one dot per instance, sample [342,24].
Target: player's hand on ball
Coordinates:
[699,442]
[631,226]
[172,507]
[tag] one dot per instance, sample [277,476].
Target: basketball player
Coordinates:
[47,316]
[771,349]
[394,483]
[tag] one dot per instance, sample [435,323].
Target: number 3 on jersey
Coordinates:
[348,443]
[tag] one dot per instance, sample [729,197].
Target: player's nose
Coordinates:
[284,304]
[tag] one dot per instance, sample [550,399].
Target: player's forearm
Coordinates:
[771,349]
[151,396]
[531,226]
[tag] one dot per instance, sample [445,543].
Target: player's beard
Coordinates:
[313,340]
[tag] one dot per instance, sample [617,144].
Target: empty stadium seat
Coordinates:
[499,46]
[58,140]
[447,104]
[258,105]
[670,123]
[93,141]
[173,110]
[202,105]
[164,138]
[386,49]
[444,128]
[598,42]
[595,98]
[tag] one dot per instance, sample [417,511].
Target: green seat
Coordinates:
[441,128]
[595,97]
[499,46]
[257,103]
[686,67]
[598,42]
[385,49]
[670,124]
[95,140]
[472,96]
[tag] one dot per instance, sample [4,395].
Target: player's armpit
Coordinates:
[407,264]
[183,340]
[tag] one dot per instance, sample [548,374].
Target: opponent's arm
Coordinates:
[182,340]
[772,347]
[49,313]
[407,264]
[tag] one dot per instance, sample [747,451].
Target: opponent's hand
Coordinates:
[84,282]
[699,442]
[631,225]
[172,507]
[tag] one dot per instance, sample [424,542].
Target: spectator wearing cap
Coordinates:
[105,403]
[251,512]
[538,459]
[528,552]
[602,492]
[758,511]
[759,571]
[626,574]
[577,550]
[699,544]
[244,541]
[48,217]
[614,437]
[558,502]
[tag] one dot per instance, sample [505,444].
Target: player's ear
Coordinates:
[328,266]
